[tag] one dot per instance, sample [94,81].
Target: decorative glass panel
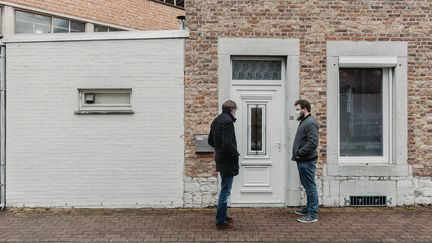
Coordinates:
[256,129]
[361,111]
[29,23]
[1,20]
[256,70]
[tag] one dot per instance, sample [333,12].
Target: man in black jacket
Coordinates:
[222,138]
[305,154]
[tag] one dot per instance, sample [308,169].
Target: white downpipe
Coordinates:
[3,127]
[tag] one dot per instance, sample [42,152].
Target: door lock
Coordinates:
[278,145]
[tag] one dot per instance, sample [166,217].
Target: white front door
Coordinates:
[257,86]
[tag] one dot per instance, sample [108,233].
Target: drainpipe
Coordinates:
[3,127]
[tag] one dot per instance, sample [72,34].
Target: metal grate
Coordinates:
[368,200]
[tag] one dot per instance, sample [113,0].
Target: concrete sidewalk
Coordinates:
[253,224]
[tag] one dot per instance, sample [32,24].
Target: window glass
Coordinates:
[256,70]
[113,29]
[361,111]
[60,25]
[101,29]
[1,20]
[29,23]
[112,98]
[256,129]
[77,26]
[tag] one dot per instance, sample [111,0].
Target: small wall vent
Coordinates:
[366,201]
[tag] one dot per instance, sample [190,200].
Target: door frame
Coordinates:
[289,50]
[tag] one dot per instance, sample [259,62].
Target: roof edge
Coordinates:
[95,36]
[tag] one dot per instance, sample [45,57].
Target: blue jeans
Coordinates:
[222,206]
[307,179]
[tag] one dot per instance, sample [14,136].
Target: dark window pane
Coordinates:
[180,3]
[1,21]
[256,129]
[256,70]
[101,29]
[361,111]
[61,23]
[60,30]
[110,29]
[77,26]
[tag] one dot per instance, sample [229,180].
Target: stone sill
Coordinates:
[368,170]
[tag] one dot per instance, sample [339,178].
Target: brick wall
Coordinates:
[135,14]
[314,23]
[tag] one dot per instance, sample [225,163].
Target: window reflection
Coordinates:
[361,111]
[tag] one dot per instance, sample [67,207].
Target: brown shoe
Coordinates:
[229,220]
[225,226]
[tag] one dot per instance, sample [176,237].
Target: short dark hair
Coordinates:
[303,104]
[229,106]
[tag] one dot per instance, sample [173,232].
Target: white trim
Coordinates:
[43,11]
[367,61]
[83,36]
[104,107]
[398,159]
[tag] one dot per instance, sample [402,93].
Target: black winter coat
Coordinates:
[222,138]
[306,140]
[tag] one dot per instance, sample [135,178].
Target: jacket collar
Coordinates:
[305,118]
[231,116]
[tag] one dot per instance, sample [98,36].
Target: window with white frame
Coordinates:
[32,23]
[105,101]
[365,114]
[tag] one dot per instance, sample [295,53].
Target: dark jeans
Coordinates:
[222,206]
[307,179]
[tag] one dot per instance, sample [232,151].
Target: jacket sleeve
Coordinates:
[210,138]
[228,145]
[311,134]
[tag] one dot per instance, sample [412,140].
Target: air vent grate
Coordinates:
[368,200]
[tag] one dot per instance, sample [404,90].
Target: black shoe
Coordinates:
[229,220]
[225,226]
[301,212]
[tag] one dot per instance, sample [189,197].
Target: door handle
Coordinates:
[278,145]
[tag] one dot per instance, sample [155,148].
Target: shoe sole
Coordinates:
[307,222]
[300,214]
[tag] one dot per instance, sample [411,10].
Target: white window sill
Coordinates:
[103,112]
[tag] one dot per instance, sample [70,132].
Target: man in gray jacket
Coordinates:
[305,154]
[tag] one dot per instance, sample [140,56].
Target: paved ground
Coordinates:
[253,224]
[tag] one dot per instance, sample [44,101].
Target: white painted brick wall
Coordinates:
[56,158]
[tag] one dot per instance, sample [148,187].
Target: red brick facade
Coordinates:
[134,14]
[313,23]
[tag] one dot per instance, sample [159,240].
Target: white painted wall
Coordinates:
[57,158]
